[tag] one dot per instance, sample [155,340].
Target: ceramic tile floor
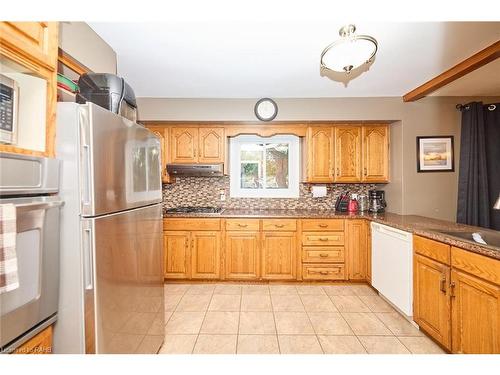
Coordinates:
[286,319]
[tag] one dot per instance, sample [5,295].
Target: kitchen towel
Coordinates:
[319,191]
[8,257]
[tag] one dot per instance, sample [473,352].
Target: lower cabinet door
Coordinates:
[279,256]
[242,255]
[177,259]
[356,244]
[205,255]
[475,315]
[431,298]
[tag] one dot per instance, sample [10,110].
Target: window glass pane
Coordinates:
[277,166]
[251,157]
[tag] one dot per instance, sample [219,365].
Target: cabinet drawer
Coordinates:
[432,249]
[242,224]
[323,272]
[322,224]
[330,254]
[191,224]
[279,225]
[323,238]
[476,264]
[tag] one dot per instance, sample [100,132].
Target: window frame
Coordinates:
[235,190]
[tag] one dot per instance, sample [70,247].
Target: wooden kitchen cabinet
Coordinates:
[242,255]
[41,343]
[279,261]
[323,251]
[211,145]
[475,315]
[184,145]
[177,254]
[431,298]
[192,248]
[197,145]
[37,41]
[205,255]
[28,55]
[375,153]
[347,154]
[475,285]
[320,158]
[356,244]
[162,134]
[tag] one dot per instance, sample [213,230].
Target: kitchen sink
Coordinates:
[491,238]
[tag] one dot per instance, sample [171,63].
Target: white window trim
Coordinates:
[235,189]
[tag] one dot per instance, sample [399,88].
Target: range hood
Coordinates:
[195,170]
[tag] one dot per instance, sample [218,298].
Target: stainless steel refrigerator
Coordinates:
[111,283]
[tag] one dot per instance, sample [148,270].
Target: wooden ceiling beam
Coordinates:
[470,64]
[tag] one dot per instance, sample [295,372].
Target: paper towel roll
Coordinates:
[319,191]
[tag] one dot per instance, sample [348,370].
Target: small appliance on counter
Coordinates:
[363,203]
[377,201]
[342,203]
[108,91]
[353,203]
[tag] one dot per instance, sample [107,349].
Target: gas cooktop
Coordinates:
[204,210]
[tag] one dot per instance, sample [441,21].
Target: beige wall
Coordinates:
[81,42]
[428,194]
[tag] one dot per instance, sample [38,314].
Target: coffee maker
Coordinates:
[377,201]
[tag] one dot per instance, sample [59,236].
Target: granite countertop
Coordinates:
[420,225]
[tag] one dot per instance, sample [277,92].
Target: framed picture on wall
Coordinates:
[435,154]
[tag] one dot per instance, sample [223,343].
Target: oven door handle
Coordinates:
[88,261]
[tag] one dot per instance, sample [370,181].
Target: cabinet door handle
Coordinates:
[442,284]
[452,289]
[323,255]
[338,172]
[323,225]
[366,172]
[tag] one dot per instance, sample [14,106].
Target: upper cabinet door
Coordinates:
[347,154]
[184,145]
[320,154]
[36,39]
[376,153]
[211,147]
[162,134]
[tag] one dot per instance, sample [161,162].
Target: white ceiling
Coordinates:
[280,58]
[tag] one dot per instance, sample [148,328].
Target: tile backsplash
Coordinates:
[205,191]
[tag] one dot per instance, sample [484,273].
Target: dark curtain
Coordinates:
[492,129]
[473,206]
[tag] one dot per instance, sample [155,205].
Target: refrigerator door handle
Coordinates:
[88,261]
[86,175]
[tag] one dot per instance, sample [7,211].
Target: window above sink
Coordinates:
[264,167]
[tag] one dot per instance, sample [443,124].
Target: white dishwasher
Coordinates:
[392,266]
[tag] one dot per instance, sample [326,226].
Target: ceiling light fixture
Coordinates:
[349,52]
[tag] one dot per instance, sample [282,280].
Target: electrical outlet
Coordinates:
[222,196]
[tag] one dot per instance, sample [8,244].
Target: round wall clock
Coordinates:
[266,109]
